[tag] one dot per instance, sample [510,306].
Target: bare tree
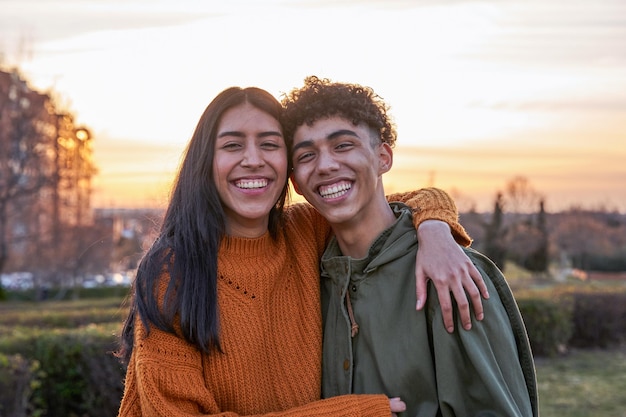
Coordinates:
[520,197]
[26,165]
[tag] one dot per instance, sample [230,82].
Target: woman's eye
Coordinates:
[231,146]
[270,145]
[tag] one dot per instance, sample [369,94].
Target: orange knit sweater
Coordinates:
[270,330]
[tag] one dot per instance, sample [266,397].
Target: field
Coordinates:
[583,383]
[580,383]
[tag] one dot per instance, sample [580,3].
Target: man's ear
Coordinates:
[295,184]
[385,158]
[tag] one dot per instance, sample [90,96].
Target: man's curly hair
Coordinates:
[321,98]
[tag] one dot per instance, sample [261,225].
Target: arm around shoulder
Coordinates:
[434,204]
[440,259]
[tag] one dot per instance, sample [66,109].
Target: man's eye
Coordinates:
[344,146]
[303,157]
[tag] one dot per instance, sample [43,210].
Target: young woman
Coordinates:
[225,312]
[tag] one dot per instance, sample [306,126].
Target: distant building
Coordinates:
[131,232]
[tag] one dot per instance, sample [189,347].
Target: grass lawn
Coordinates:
[583,383]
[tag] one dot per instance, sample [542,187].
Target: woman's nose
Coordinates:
[252,157]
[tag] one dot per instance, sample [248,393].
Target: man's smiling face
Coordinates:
[338,167]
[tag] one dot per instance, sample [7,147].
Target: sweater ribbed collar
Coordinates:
[247,246]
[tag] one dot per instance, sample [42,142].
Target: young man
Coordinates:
[341,140]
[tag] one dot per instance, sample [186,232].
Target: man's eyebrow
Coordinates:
[303,144]
[342,132]
[331,136]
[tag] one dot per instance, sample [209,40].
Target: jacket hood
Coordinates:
[391,244]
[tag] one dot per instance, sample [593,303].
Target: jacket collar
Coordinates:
[388,246]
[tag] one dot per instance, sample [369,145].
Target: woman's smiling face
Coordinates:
[249,168]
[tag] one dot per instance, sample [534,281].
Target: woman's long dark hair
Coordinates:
[190,236]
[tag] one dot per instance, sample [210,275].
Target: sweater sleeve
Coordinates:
[433,204]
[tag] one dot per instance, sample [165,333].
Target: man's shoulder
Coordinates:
[479,257]
[488,269]
[397,207]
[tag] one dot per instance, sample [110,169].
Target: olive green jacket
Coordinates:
[487,371]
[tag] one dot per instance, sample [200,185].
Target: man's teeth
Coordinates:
[335,190]
[251,183]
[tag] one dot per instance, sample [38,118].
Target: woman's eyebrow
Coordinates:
[239,134]
[270,133]
[231,133]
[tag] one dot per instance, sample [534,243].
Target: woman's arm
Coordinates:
[165,378]
[440,259]
[433,204]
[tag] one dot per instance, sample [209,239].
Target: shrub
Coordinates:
[18,379]
[548,322]
[80,376]
[76,375]
[602,262]
[599,319]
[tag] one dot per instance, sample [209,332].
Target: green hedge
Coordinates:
[19,377]
[68,347]
[599,320]
[549,324]
[581,319]
[78,375]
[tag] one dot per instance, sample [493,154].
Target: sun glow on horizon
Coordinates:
[481,91]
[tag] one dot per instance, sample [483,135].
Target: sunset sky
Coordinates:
[481,91]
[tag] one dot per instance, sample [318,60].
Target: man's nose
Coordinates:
[326,162]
